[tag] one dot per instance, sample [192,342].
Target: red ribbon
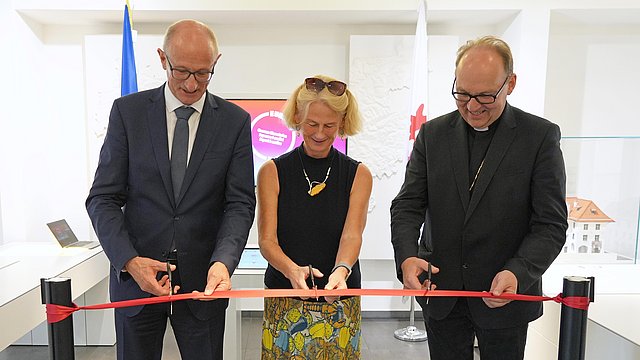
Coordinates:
[57,313]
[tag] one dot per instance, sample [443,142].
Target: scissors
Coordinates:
[170,287]
[313,282]
[428,279]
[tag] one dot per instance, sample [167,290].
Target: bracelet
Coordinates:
[344,265]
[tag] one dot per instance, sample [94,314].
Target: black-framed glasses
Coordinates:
[335,87]
[480,98]
[201,76]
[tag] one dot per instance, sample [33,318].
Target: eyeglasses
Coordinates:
[481,98]
[201,76]
[335,87]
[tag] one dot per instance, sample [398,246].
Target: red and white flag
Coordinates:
[419,87]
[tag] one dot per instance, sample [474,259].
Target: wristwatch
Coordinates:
[344,265]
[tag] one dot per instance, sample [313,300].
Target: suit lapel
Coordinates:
[206,129]
[157,123]
[502,139]
[460,158]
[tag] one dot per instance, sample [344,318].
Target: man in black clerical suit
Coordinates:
[149,211]
[488,183]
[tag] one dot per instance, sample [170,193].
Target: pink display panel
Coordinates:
[270,135]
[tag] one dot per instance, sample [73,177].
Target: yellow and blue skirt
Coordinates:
[298,329]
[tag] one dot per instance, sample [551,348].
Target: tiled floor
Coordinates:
[377,343]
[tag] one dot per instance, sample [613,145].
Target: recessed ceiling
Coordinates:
[292,17]
[47,13]
[597,17]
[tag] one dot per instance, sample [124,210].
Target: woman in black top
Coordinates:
[312,211]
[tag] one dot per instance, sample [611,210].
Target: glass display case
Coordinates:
[603,199]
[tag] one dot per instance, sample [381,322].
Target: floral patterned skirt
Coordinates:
[297,329]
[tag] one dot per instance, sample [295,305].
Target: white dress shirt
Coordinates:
[172,103]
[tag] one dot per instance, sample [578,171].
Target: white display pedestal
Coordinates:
[612,327]
[20,302]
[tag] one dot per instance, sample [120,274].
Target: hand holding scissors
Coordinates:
[313,282]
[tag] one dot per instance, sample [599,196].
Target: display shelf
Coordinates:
[603,199]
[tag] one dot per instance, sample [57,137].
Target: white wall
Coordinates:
[44,168]
[21,132]
[528,37]
[5,18]
[592,69]
[380,71]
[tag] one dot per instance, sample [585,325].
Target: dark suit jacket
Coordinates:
[516,218]
[131,202]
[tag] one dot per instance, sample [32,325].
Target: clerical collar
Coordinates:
[485,129]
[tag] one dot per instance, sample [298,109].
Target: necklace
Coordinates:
[473,183]
[315,187]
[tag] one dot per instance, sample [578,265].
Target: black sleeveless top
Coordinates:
[309,227]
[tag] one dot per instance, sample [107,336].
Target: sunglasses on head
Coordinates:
[335,87]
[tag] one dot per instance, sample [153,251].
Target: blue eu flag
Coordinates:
[129,83]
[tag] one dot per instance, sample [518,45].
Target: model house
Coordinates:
[586,224]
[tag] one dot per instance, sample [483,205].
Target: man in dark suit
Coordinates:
[488,183]
[149,211]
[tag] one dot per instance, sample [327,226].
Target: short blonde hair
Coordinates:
[491,42]
[345,105]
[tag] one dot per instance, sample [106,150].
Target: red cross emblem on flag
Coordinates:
[416,121]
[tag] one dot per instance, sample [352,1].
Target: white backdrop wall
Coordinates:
[5,19]
[25,71]
[590,70]
[528,38]
[380,70]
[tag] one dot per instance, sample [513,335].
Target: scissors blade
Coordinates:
[170,287]
[313,282]
[429,280]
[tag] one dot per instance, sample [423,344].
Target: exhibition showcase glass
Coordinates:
[603,199]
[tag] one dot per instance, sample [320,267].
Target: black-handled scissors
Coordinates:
[428,279]
[313,282]
[170,287]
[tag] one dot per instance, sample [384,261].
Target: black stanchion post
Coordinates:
[573,322]
[58,291]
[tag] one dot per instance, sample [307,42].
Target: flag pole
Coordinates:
[419,78]
[417,112]
[129,80]
[411,333]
